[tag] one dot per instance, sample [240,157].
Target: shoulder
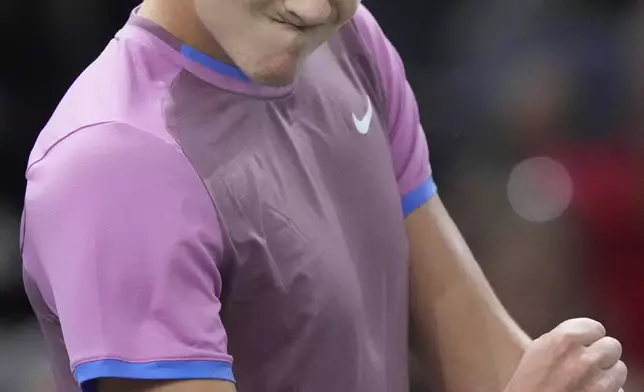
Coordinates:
[103,142]
[374,56]
[372,51]
[105,161]
[113,183]
[368,36]
[366,27]
[125,84]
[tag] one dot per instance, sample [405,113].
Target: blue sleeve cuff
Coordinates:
[419,196]
[88,372]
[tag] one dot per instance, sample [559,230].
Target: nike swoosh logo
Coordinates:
[362,125]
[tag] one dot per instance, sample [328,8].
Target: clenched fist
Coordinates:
[577,356]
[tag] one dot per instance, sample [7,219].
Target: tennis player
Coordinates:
[236,195]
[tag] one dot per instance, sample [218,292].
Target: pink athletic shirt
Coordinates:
[183,222]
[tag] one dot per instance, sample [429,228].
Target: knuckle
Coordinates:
[616,345]
[584,321]
[604,384]
[608,346]
[568,324]
[600,327]
[590,324]
[612,379]
[585,365]
[597,326]
[574,330]
[588,360]
[566,338]
[621,369]
[599,386]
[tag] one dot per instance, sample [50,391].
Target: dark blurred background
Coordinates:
[534,111]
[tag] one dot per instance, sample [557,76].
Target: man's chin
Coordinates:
[275,73]
[274,80]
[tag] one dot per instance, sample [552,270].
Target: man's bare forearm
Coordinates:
[463,334]
[125,385]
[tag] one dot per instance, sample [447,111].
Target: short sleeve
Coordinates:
[129,244]
[408,142]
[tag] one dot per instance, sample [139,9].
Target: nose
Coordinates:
[309,12]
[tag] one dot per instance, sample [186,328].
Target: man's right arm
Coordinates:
[128,245]
[124,385]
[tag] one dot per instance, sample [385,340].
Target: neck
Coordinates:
[179,19]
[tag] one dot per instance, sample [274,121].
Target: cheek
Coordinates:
[205,8]
[282,64]
[224,15]
[209,13]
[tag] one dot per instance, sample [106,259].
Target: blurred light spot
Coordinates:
[540,189]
